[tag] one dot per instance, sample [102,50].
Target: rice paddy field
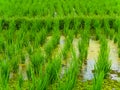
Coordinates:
[59,44]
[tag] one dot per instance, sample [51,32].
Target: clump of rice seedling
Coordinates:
[68,44]
[29,75]
[23,58]
[103,63]
[43,81]
[14,64]
[97,28]
[106,28]
[40,37]
[53,68]
[69,80]
[37,59]
[111,34]
[83,46]
[0,25]
[2,43]
[50,75]
[66,26]
[52,44]
[56,37]
[48,49]
[115,38]
[12,26]
[4,73]
[29,72]
[20,81]
[76,26]
[98,81]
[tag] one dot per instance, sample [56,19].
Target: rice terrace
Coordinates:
[59,44]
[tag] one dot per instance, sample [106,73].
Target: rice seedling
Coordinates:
[98,81]
[4,74]
[106,28]
[23,58]
[66,26]
[83,46]
[20,81]
[42,82]
[14,64]
[37,59]
[69,80]
[68,44]
[2,43]
[115,38]
[52,44]
[41,36]
[103,63]
[97,25]
[53,68]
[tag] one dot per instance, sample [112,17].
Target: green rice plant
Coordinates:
[97,25]
[111,33]
[68,44]
[103,63]
[12,26]
[43,81]
[9,50]
[68,82]
[98,81]
[118,36]
[29,72]
[48,49]
[106,28]
[24,26]
[20,81]
[29,75]
[98,33]
[30,49]
[4,74]
[2,43]
[14,64]
[20,34]
[53,68]
[76,26]
[42,36]
[34,26]
[37,59]
[0,26]
[87,24]
[50,75]
[83,46]
[23,58]
[115,37]
[25,40]
[52,44]
[9,36]
[55,37]
[56,24]
[119,52]
[66,26]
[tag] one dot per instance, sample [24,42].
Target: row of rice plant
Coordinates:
[102,66]
[59,8]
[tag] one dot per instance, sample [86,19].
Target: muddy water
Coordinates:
[93,52]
